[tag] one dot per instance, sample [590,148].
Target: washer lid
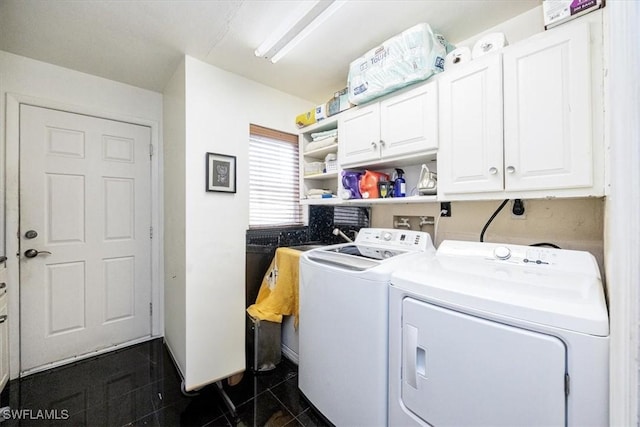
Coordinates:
[559,288]
[372,248]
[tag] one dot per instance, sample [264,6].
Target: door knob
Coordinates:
[374,145]
[511,169]
[493,170]
[32,253]
[382,143]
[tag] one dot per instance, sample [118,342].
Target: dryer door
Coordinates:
[466,371]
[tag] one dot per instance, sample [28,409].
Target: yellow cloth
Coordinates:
[278,294]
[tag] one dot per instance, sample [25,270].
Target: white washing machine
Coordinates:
[489,334]
[343,330]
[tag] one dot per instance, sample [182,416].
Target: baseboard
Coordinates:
[290,354]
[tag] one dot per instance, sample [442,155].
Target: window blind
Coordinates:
[274,190]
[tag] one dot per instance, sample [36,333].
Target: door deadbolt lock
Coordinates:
[31,234]
[32,253]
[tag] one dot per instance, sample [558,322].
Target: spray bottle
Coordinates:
[399,184]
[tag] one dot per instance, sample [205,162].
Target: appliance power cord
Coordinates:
[435,226]
[502,205]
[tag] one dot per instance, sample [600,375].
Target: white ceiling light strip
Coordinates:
[307,17]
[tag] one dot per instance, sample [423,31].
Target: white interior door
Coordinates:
[85,191]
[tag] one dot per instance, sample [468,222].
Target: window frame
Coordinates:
[258,134]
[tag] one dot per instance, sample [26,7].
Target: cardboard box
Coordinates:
[321,112]
[306,119]
[557,12]
[339,102]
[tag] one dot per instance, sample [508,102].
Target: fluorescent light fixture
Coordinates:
[306,18]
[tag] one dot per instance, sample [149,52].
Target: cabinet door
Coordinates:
[4,341]
[409,122]
[470,154]
[359,135]
[548,141]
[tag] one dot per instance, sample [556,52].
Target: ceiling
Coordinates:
[141,42]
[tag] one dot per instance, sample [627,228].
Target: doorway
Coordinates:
[84,235]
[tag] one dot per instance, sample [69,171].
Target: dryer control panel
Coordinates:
[392,238]
[557,259]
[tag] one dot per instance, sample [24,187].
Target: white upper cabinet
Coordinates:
[399,126]
[360,135]
[520,123]
[470,155]
[547,111]
[409,122]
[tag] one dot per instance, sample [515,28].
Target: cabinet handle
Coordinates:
[511,169]
[493,170]
[3,318]
[374,145]
[381,143]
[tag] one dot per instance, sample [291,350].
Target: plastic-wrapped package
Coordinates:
[413,55]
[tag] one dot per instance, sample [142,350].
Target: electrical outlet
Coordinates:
[446,206]
[518,209]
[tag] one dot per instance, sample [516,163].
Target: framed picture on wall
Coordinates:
[221,173]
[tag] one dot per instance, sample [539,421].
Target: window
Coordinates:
[274,190]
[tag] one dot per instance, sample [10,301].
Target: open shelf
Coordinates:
[321,176]
[328,201]
[369,202]
[320,153]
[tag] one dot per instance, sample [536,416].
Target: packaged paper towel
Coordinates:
[489,43]
[457,56]
[413,55]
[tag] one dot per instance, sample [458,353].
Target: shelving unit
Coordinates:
[504,152]
[325,180]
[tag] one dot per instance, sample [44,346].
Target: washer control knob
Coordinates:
[386,236]
[502,252]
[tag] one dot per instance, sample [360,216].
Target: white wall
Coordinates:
[175,216]
[622,228]
[219,107]
[569,223]
[25,80]
[515,29]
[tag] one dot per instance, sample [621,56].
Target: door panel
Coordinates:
[461,370]
[409,122]
[360,135]
[470,154]
[547,84]
[4,331]
[65,309]
[85,189]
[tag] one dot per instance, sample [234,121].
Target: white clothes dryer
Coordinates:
[489,334]
[343,330]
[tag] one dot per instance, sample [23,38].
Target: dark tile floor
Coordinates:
[139,385]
